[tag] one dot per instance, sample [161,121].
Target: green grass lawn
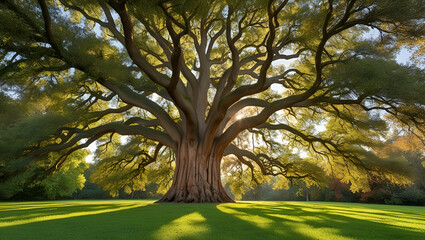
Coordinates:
[129,219]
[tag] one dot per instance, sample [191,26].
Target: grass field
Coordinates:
[244,220]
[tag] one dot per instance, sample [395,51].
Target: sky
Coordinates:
[403,56]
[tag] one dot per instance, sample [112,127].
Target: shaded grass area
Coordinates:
[127,219]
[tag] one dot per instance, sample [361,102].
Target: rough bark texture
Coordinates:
[196,178]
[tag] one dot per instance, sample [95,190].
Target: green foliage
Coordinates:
[28,132]
[409,196]
[68,179]
[381,78]
[35,183]
[403,152]
[129,167]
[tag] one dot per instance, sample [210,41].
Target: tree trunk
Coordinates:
[196,178]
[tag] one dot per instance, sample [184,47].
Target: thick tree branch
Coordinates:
[121,128]
[130,97]
[132,50]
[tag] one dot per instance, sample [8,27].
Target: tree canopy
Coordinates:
[301,90]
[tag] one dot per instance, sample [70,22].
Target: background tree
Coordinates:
[23,123]
[283,88]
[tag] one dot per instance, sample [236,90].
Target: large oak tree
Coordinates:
[297,89]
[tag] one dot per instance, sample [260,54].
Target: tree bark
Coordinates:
[197,177]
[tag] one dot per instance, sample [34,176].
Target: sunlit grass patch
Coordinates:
[127,219]
[50,211]
[183,227]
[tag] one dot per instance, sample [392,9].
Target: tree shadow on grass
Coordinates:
[274,220]
[17,214]
[26,214]
[337,222]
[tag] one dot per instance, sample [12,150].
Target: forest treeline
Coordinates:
[380,192]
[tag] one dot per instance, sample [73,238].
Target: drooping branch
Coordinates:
[122,128]
[329,145]
[134,164]
[267,165]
